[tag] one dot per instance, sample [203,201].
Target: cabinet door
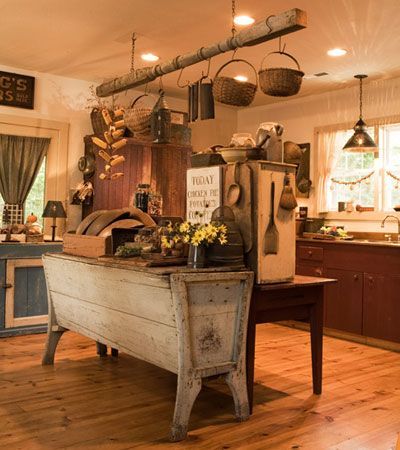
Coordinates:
[381,318]
[26,296]
[344,301]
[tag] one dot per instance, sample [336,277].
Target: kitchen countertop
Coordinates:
[391,244]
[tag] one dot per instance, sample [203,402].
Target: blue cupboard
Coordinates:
[23,295]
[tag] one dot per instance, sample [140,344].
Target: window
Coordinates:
[35,200]
[380,187]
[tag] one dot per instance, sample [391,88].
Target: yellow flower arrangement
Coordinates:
[195,234]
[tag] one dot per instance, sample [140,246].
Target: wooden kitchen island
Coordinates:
[190,322]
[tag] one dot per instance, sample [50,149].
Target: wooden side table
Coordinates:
[301,299]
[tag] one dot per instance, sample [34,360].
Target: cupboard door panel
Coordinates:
[26,296]
[344,301]
[381,317]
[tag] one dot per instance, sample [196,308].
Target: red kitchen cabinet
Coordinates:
[344,301]
[366,298]
[381,308]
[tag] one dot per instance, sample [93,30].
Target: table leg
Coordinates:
[101,349]
[316,331]
[250,355]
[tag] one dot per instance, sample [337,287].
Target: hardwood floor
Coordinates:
[87,402]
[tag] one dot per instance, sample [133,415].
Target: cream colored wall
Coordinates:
[65,100]
[300,116]
[217,131]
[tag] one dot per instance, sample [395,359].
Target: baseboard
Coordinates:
[373,342]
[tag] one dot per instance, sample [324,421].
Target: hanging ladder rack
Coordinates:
[265,30]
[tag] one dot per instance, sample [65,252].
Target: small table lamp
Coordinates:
[54,209]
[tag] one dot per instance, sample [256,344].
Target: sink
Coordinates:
[374,241]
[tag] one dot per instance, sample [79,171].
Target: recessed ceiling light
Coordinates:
[150,57]
[243,20]
[336,52]
[241,78]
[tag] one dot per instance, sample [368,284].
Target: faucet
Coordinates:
[398,224]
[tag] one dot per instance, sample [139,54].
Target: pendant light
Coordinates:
[361,141]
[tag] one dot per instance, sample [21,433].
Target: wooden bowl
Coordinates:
[239,154]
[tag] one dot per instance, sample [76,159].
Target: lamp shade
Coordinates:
[360,141]
[54,208]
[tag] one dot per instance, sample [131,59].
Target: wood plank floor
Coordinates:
[86,402]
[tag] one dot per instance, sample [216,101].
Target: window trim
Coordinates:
[56,187]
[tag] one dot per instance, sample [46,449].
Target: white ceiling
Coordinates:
[90,39]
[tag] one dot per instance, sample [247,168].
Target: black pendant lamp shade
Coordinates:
[360,141]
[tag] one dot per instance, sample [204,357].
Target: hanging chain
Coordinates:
[133,52]
[361,98]
[233,18]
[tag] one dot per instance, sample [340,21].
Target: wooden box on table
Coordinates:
[89,246]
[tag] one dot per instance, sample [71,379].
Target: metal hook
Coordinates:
[179,79]
[281,50]
[234,53]
[200,53]
[160,84]
[268,25]
[208,69]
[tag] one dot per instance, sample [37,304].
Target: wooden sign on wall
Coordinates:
[17,90]
[203,193]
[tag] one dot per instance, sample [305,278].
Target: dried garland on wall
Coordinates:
[394,177]
[365,178]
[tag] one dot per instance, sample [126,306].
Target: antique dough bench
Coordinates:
[190,322]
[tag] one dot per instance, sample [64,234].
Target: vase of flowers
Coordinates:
[198,236]
[197,256]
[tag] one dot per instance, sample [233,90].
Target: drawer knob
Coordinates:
[310,252]
[355,277]
[318,272]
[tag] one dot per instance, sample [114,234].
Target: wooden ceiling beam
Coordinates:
[265,30]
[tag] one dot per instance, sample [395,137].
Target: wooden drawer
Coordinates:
[309,270]
[310,253]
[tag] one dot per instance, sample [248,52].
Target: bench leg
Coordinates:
[53,337]
[187,390]
[237,382]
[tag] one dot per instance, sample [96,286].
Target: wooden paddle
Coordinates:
[271,237]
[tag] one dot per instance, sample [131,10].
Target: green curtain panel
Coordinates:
[20,161]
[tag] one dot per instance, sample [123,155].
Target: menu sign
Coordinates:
[16,90]
[203,193]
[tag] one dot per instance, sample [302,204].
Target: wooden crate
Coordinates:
[89,246]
